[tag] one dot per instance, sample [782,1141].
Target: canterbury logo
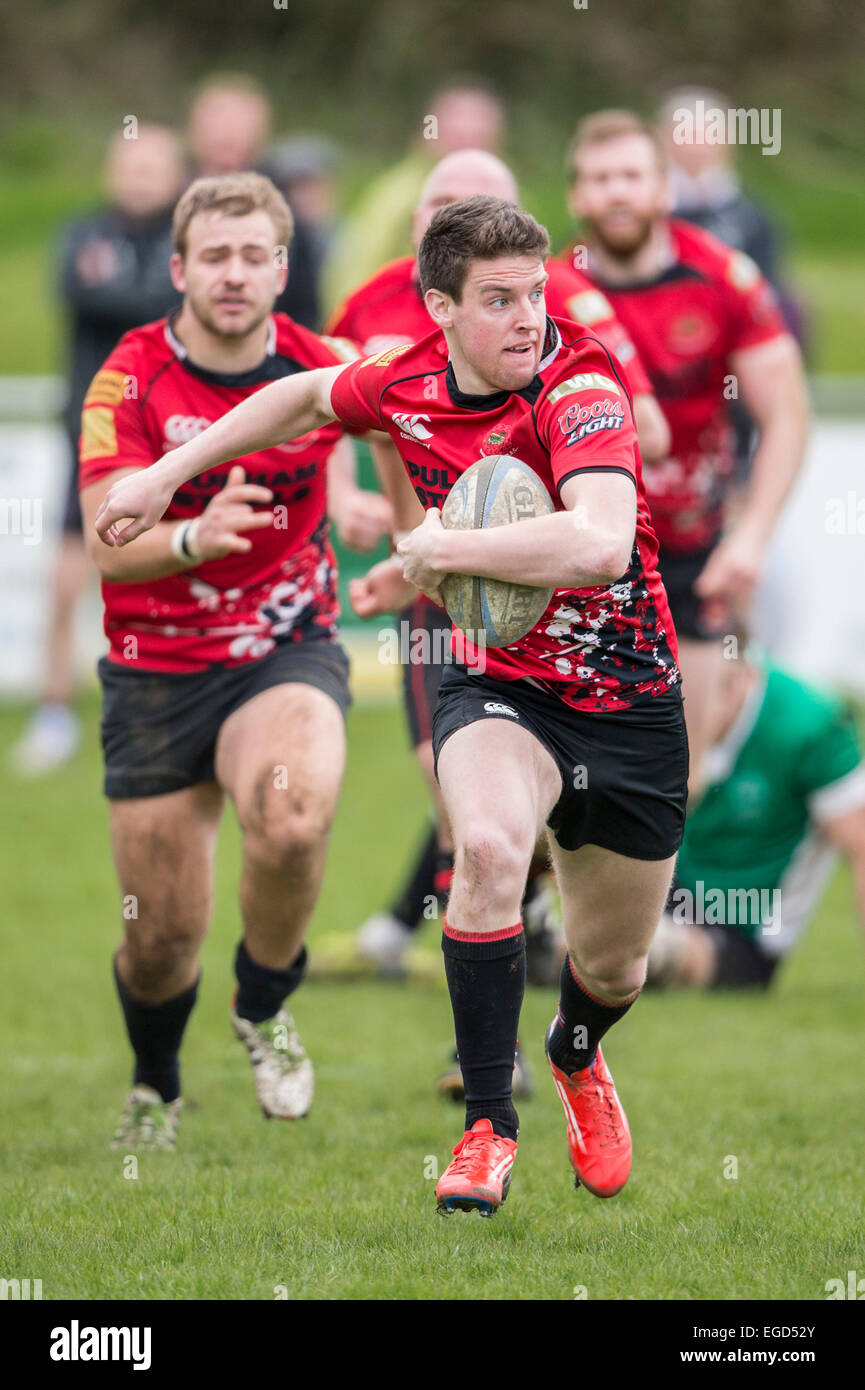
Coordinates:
[493,707]
[411,425]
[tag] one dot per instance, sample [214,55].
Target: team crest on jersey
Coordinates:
[387,357]
[585,381]
[496,442]
[692,333]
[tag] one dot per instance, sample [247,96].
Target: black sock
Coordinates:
[155,1032]
[443,878]
[580,1024]
[487,979]
[409,906]
[261,991]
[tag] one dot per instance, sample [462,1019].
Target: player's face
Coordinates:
[620,192]
[230,275]
[496,333]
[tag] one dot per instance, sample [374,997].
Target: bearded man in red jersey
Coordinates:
[708,330]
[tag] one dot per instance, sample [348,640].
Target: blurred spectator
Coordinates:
[706,191]
[228,129]
[114,276]
[462,116]
[304,169]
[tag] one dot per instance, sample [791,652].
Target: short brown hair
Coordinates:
[602,126]
[479,228]
[235,195]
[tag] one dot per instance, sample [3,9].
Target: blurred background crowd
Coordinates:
[347,110]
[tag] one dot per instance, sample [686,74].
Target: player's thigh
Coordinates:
[497,779]
[611,904]
[164,849]
[281,757]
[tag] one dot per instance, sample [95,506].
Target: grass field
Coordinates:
[341,1205]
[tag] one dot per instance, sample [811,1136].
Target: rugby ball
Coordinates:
[495,491]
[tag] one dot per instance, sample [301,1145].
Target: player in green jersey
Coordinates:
[783,792]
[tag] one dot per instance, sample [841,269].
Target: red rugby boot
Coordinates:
[599,1141]
[479,1176]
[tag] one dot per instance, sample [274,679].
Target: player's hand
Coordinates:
[361,518]
[733,569]
[417,549]
[228,514]
[381,590]
[141,498]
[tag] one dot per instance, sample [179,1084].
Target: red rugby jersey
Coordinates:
[605,647]
[711,302]
[389,310]
[147,399]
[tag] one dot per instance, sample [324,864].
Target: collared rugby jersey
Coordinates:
[708,304]
[147,399]
[604,647]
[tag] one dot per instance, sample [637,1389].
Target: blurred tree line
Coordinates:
[361,68]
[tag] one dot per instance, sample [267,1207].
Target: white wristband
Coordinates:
[183,542]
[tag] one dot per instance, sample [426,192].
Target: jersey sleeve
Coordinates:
[829,766]
[755,315]
[356,392]
[114,432]
[586,423]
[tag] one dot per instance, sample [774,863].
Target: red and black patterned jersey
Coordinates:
[389,310]
[149,398]
[605,647]
[708,304]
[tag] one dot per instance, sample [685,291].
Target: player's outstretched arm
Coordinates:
[279,412]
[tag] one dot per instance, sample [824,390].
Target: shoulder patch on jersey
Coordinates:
[106,388]
[343,348]
[742,272]
[589,306]
[585,381]
[387,357]
[98,433]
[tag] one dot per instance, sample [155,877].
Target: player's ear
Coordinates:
[438,306]
[178,273]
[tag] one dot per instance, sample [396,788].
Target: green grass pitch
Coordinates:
[341,1204]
